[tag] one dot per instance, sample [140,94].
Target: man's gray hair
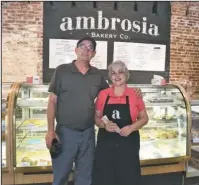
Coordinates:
[121,65]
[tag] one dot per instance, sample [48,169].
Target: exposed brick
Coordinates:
[184,55]
[22,41]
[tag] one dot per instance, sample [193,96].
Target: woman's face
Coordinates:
[118,76]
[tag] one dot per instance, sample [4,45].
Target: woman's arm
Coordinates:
[98,120]
[99,106]
[141,121]
[108,125]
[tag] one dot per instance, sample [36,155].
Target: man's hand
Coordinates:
[138,91]
[49,138]
[126,130]
[111,127]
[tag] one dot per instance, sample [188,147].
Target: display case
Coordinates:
[165,140]
[6,89]
[30,127]
[193,164]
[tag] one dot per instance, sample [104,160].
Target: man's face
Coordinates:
[85,51]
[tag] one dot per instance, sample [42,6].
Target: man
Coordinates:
[73,88]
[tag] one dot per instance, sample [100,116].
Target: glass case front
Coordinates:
[193,164]
[6,88]
[164,139]
[165,135]
[195,125]
[31,127]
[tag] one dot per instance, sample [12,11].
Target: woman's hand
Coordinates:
[126,130]
[111,127]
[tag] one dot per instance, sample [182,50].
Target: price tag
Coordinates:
[195,140]
[30,126]
[43,163]
[24,164]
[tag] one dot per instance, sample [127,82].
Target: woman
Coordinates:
[117,152]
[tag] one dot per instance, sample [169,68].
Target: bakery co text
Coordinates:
[110,24]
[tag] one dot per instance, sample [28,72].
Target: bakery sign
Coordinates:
[121,30]
[112,23]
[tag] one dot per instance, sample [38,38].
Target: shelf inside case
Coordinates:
[157,149]
[32,151]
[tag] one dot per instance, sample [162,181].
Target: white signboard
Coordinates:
[140,56]
[62,51]
[100,59]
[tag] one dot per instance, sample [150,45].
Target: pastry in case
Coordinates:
[166,134]
[33,158]
[150,134]
[167,113]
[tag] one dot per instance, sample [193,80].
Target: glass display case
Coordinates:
[193,164]
[30,127]
[165,139]
[6,89]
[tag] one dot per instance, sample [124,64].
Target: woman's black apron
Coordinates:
[117,158]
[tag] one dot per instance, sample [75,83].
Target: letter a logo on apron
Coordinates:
[116,114]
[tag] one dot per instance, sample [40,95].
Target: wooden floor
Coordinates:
[173,181]
[161,179]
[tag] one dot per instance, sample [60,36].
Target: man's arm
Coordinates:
[52,100]
[138,91]
[51,109]
[52,103]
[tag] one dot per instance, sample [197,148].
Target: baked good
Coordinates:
[161,135]
[25,159]
[144,137]
[158,113]
[171,135]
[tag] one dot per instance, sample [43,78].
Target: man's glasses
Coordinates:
[84,47]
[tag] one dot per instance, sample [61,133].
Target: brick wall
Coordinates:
[22,40]
[22,32]
[184,53]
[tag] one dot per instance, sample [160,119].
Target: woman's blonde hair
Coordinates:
[122,66]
